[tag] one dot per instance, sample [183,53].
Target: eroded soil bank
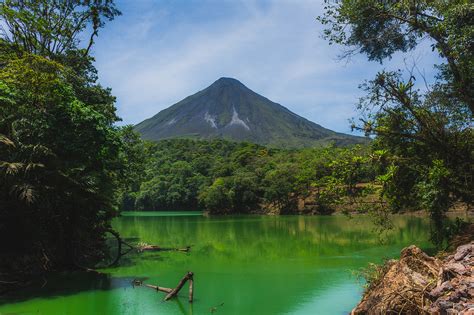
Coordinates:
[420,284]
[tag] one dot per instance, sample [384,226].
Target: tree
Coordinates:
[60,161]
[53,28]
[133,159]
[216,197]
[422,133]
[280,190]
[381,28]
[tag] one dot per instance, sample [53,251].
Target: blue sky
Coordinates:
[159,52]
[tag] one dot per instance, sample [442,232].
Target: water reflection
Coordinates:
[247,264]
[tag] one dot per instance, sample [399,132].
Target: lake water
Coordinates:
[242,265]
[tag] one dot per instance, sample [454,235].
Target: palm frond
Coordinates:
[11,168]
[32,166]
[41,150]
[24,192]
[6,141]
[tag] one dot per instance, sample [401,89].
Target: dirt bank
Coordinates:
[420,284]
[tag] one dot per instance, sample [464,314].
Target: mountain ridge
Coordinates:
[230,110]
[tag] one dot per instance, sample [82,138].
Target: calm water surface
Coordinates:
[242,265]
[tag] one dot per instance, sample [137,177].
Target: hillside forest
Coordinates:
[226,177]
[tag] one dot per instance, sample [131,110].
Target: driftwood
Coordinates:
[188,276]
[141,247]
[172,292]
[157,288]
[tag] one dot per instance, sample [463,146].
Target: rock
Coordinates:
[441,289]
[463,250]
[420,284]
[455,267]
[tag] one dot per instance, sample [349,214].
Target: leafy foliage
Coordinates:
[425,136]
[229,177]
[53,28]
[61,156]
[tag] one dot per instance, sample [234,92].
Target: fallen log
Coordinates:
[139,283]
[146,247]
[157,288]
[171,292]
[181,283]
[123,248]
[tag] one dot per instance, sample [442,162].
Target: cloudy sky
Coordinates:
[159,52]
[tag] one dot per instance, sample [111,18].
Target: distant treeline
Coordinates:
[229,177]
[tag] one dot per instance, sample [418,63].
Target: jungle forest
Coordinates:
[72,175]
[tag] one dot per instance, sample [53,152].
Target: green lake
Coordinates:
[242,265]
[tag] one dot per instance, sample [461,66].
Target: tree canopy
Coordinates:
[61,156]
[424,137]
[229,177]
